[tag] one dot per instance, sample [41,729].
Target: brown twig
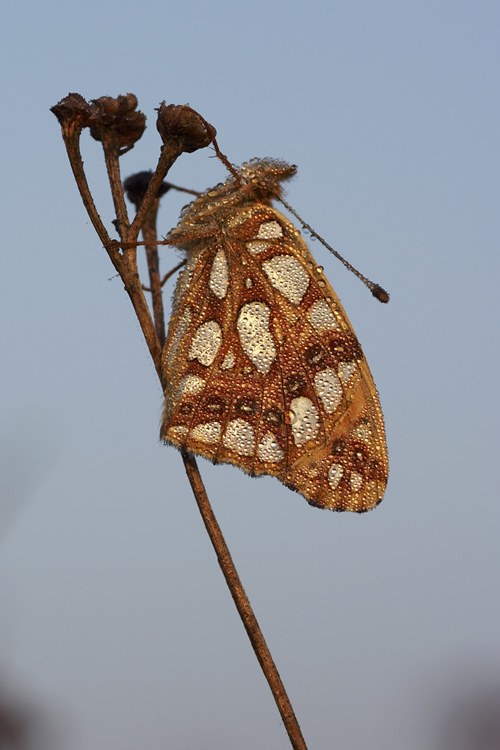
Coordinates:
[136,188]
[149,234]
[243,605]
[169,154]
[167,275]
[117,124]
[112,158]
[72,143]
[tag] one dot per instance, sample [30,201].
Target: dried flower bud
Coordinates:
[181,124]
[136,185]
[73,113]
[116,122]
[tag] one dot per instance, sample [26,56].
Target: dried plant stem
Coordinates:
[243,605]
[150,237]
[167,158]
[127,269]
[111,156]
[123,255]
[72,143]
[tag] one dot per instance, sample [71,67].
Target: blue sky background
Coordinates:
[116,628]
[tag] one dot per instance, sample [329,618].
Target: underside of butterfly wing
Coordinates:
[263,368]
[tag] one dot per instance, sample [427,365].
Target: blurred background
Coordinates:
[116,628]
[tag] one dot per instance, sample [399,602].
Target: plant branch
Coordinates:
[150,236]
[116,123]
[243,605]
[168,155]
[72,143]
[111,156]
[130,277]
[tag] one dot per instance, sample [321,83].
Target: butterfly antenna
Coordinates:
[211,132]
[377,291]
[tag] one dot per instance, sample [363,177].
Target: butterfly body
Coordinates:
[262,367]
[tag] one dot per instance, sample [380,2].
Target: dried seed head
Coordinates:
[116,122]
[73,113]
[182,124]
[137,184]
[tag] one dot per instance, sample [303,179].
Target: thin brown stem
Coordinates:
[168,156]
[172,271]
[183,189]
[126,264]
[123,255]
[72,143]
[127,269]
[150,236]
[111,156]
[243,605]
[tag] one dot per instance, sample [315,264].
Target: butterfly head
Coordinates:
[258,180]
[264,176]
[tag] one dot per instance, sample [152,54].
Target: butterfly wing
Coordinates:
[263,368]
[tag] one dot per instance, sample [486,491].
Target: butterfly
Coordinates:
[262,367]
